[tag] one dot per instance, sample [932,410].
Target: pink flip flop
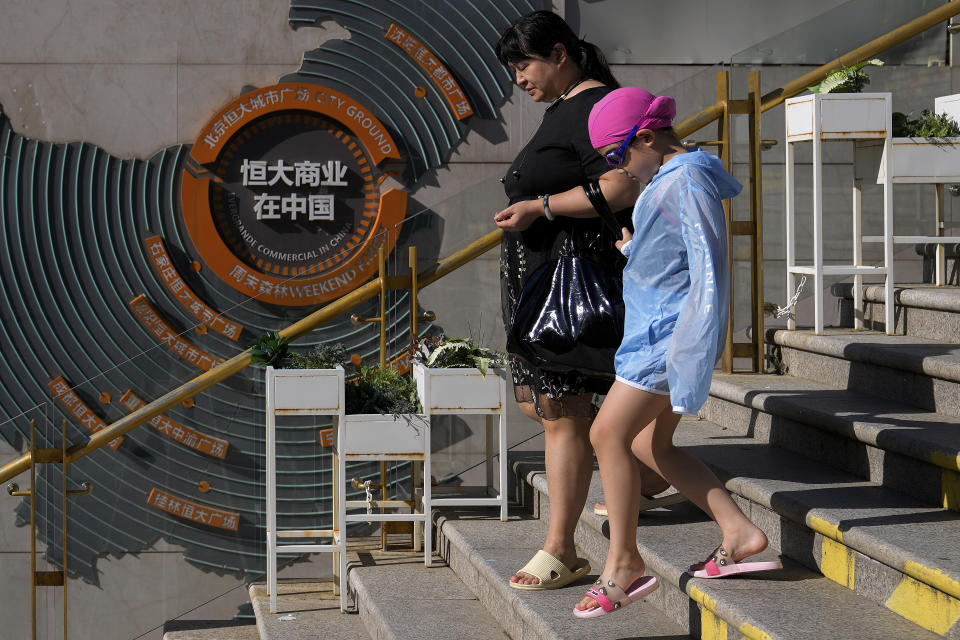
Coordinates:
[611,597]
[719,565]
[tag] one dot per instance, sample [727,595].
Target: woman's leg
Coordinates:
[624,414]
[692,478]
[568,458]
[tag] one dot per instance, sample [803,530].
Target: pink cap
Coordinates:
[612,118]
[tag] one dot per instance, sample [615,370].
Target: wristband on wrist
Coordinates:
[546,207]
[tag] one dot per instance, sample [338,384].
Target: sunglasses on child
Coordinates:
[615,157]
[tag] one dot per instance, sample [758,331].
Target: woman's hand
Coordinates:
[627,237]
[518,216]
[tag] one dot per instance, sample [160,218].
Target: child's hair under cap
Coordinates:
[612,118]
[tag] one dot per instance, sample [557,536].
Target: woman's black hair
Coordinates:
[536,34]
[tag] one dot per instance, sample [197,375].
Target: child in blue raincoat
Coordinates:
[676,289]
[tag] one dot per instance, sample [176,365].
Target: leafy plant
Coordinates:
[850,79]
[380,390]
[323,356]
[270,350]
[928,125]
[441,352]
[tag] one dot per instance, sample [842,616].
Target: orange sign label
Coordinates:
[184,435]
[298,97]
[193,511]
[158,327]
[438,73]
[62,391]
[183,293]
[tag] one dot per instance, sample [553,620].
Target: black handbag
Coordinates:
[569,315]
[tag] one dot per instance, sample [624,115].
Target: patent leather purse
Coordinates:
[569,315]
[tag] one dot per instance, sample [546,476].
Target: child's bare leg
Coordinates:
[624,413]
[692,478]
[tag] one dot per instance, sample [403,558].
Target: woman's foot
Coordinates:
[623,577]
[567,557]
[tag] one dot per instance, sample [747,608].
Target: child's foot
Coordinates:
[737,546]
[622,577]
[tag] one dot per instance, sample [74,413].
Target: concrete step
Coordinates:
[923,311]
[916,371]
[209,630]
[898,446]
[879,543]
[799,601]
[485,552]
[396,596]
[305,609]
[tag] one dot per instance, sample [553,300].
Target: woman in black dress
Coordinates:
[547,206]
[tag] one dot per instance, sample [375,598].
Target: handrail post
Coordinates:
[723,136]
[756,220]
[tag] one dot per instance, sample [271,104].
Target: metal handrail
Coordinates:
[863,52]
[458,259]
[241,360]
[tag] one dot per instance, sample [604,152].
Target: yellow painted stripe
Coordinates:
[750,631]
[711,627]
[933,577]
[826,528]
[946,460]
[950,489]
[925,606]
[700,597]
[837,562]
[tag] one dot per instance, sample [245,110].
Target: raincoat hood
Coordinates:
[726,185]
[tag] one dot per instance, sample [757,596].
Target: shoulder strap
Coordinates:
[599,202]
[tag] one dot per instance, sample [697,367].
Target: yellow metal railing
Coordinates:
[721,109]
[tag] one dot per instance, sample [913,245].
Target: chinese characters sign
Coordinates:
[183,294]
[62,391]
[292,213]
[193,511]
[195,440]
[313,206]
[438,73]
[165,334]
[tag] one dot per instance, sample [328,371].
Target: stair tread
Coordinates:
[907,353]
[496,550]
[888,424]
[313,606]
[927,296]
[209,630]
[880,523]
[772,603]
[410,601]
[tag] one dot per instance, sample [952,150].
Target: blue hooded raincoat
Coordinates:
[676,286]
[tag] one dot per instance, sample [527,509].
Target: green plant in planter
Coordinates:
[270,350]
[322,356]
[380,390]
[928,125]
[850,79]
[442,352]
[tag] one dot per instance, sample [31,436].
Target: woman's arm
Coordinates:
[620,189]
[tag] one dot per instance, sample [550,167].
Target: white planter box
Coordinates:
[385,437]
[915,160]
[842,116]
[306,391]
[948,105]
[459,390]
